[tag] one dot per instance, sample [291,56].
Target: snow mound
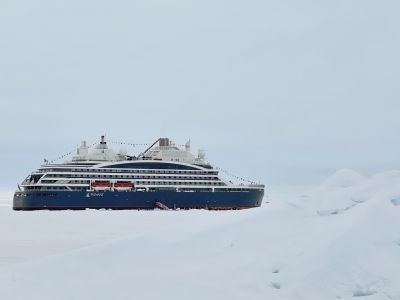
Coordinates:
[347,189]
[344,178]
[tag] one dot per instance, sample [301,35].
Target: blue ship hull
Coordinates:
[54,200]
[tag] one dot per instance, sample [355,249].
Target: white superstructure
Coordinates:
[162,166]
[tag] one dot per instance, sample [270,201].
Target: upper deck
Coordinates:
[161,165]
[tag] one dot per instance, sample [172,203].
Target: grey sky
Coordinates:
[278,91]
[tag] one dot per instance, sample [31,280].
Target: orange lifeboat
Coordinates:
[123,185]
[100,185]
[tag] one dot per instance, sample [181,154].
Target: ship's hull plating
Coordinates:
[136,200]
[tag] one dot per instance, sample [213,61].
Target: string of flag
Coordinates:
[140,144]
[91,145]
[130,144]
[64,155]
[234,176]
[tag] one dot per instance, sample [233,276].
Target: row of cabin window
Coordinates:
[144,182]
[131,177]
[69,181]
[195,190]
[200,172]
[181,189]
[233,190]
[179,183]
[40,195]
[63,188]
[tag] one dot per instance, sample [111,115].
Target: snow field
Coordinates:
[339,240]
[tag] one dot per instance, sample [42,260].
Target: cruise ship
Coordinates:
[164,176]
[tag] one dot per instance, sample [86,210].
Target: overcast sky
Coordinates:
[282,92]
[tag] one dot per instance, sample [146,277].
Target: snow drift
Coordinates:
[336,241]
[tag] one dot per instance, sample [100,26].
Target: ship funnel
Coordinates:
[102,144]
[83,149]
[164,142]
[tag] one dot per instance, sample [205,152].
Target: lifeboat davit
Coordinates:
[100,185]
[123,185]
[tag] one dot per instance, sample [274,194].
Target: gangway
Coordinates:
[161,206]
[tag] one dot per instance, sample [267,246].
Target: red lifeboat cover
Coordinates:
[101,184]
[123,184]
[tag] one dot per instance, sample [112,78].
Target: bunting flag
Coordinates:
[61,157]
[234,176]
[67,154]
[129,144]
[140,144]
